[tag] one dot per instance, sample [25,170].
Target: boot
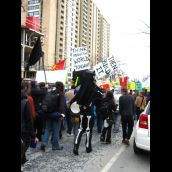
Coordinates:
[88,150]
[75,150]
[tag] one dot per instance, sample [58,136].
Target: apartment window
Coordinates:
[61,45]
[62,17]
[61,33]
[37,7]
[62,6]
[60,50]
[62,22]
[61,39]
[62,0]
[36,13]
[62,11]
[30,14]
[61,28]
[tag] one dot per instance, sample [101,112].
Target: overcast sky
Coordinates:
[128,44]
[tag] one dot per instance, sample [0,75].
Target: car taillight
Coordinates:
[143,121]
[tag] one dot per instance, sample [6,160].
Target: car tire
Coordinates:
[136,149]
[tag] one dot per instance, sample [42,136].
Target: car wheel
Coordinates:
[136,149]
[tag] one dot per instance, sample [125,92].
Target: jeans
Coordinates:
[99,122]
[54,127]
[127,126]
[117,121]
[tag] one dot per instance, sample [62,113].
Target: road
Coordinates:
[125,160]
[104,157]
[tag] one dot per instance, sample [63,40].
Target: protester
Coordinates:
[37,94]
[27,131]
[108,116]
[127,111]
[140,103]
[53,124]
[117,117]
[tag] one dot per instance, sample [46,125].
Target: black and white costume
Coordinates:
[85,97]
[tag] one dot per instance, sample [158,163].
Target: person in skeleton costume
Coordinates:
[86,98]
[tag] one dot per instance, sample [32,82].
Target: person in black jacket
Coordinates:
[108,117]
[27,131]
[37,95]
[127,111]
[53,124]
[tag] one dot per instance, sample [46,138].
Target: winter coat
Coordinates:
[126,105]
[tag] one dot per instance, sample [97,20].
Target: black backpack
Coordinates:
[104,108]
[49,102]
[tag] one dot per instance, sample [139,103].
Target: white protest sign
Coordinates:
[112,63]
[99,70]
[106,67]
[80,58]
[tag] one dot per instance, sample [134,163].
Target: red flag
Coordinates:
[123,81]
[59,66]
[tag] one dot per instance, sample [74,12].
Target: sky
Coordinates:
[128,19]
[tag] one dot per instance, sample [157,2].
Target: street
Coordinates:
[104,157]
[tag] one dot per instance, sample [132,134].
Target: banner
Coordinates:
[52,76]
[80,58]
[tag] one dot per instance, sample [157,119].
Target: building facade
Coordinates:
[104,38]
[53,21]
[34,7]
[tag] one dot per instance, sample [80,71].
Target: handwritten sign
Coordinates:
[106,67]
[80,58]
[99,70]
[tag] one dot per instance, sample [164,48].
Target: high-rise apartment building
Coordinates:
[105,38]
[53,22]
[72,32]
[34,8]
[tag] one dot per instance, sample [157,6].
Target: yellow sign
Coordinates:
[132,86]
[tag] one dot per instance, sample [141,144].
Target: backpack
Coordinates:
[49,102]
[104,108]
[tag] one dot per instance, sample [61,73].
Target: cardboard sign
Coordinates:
[132,86]
[106,67]
[80,58]
[138,86]
[99,70]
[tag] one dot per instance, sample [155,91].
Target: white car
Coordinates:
[142,131]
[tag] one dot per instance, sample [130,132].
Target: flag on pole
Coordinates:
[59,66]
[36,54]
